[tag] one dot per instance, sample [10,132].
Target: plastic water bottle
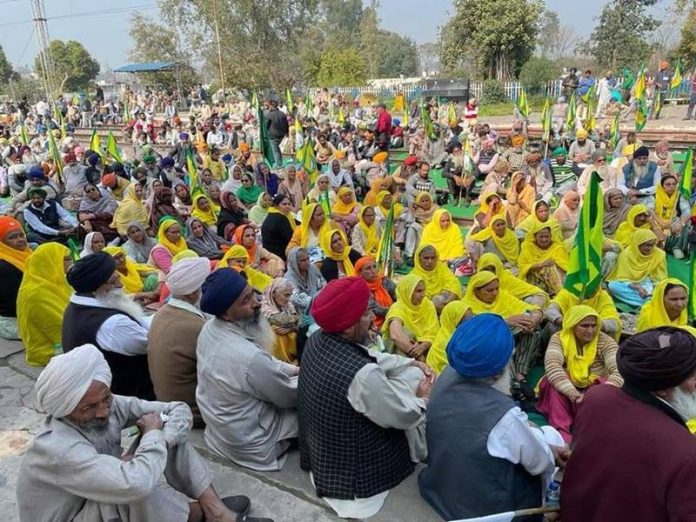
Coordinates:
[553,495]
[57,349]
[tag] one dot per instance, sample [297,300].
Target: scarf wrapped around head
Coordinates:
[207,217]
[344,257]
[653,313]
[13,256]
[666,205]
[339,207]
[481,347]
[307,214]
[508,281]
[132,280]
[238,239]
[504,304]
[628,227]
[578,365]
[371,232]
[249,194]
[174,248]
[531,254]
[419,320]
[657,359]
[448,242]
[438,279]
[452,314]
[633,266]
[289,216]
[424,216]
[382,297]
[508,245]
[269,305]
[257,280]
[398,207]
[129,210]
[613,216]
[485,207]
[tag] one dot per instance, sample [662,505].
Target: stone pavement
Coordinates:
[286,496]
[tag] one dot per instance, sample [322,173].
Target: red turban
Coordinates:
[109,180]
[7,225]
[341,304]
[410,160]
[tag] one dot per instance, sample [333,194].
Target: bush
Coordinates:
[492,92]
[536,73]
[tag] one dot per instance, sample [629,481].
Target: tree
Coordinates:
[501,35]
[396,55]
[536,73]
[74,67]
[153,42]
[7,73]
[556,41]
[369,39]
[341,67]
[341,22]
[622,34]
[687,44]
[428,57]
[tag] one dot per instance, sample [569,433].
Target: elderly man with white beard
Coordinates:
[100,313]
[246,397]
[608,174]
[640,176]
[76,471]
[634,455]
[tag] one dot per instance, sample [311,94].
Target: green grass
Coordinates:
[504,109]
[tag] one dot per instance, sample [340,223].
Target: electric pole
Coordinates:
[43,41]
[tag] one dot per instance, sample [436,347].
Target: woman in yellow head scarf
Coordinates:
[238,259]
[441,285]
[490,205]
[14,253]
[130,209]
[520,198]
[600,301]
[452,315]
[639,268]
[411,323]
[672,213]
[367,234]
[314,224]
[513,285]
[419,215]
[496,238]
[638,218]
[139,280]
[543,261]
[344,211]
[41,302]
[203,210]
[385,201]
[340,257]
[577,357]
[540,216]
[667,306]
[169,243]
[444,235]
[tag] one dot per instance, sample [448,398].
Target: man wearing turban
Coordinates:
[484,455]
[640,176]
[101,314]
[74,469]
[246,397]
[580,151]
[361,412]
[634,455]
[564,177]
[173,334]
[46,219]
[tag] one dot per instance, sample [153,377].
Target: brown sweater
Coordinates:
[171,355]
[604,364]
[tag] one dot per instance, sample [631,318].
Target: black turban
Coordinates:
[220,290]
[657,359]
[641,152]
[91,272]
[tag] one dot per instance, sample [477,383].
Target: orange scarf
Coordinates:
[238,235]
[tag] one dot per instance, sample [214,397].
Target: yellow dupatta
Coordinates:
[41,301]
[628,227]
[531,254]
[398,207]
[448,242]
[452,315]
[578,365]
[339,207]
[527,195]
[132,280]
[343,257]
[666,205]
[508,282]
[508,245]
[209,217]
[257,280]
[289,217]
[601,302]
[633,266]
[371,233]
[533,220]
[504,305]
[653,313]
[307,213]
[439,278]
[174,248]
[129,209]
[15,257]
[420,320]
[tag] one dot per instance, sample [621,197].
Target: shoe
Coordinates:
[239,504]
[678,253]
[686,119]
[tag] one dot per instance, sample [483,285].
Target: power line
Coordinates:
[86,13]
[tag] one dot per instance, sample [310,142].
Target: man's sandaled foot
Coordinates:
[237,503]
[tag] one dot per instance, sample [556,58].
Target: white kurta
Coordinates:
[65,476]
[247,398]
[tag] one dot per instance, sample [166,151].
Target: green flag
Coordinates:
[55,153]
[571,114]
[95,143]
[522,104]
[629,79]
[686,174]
[192,170]
[254,100]
[546,120]
[23,134]
[306,158]
[74,249]
[288,101]
[264,140]
[385,258]
[614,133]
[427,123]
[677,78]
[641,113]
[325,202]
[310,104]
[112,148]
[585,266]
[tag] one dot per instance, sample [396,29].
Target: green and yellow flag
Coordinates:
[427,123]
[23,134]
[614,133]
[641,85]
[112,148]
[677,78]
[254,100]
[55,153]
[523,104]
[686,174]
[264,140]
[585,266]
[288,101]
[192,170]
[451,114]
[95,143]
[341,116]
[546,119]
[385,251]
[642,111]
[571,114]
[307,160]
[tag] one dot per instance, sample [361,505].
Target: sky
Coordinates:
[102,25]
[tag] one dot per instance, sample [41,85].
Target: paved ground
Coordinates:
[287,496]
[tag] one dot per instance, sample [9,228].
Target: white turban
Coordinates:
[187,275]
[66,379]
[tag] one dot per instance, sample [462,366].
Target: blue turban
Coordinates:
[93,159]
[227,158]
[36,172]
[480,347]
[220,290]
[167,162]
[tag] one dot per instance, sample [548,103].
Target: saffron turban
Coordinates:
[517,140]
[480,347]
[220,290]
[360,263]
[91,272]
[109,180]
[341,304]
[657,359]
[67,377]
[8,224]
[187,276]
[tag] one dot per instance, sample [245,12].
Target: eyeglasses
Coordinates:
[88,190]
